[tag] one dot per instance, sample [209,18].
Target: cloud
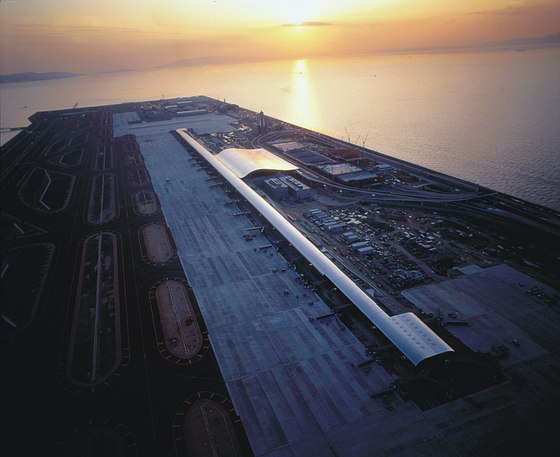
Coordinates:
[308,24]
[526,10]
[502,12]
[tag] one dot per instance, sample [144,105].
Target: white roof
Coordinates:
[245,161]
[406,331]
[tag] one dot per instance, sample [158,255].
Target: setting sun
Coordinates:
[97,36]
[298,12]
[273,228]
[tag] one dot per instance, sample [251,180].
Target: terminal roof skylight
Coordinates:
[245,161]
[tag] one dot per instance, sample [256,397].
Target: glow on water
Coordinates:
[490,118]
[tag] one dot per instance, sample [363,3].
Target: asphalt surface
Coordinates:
[135,408]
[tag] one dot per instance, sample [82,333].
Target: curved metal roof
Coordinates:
[245,161]
[406,331]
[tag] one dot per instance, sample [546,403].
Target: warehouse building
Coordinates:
[348,174]
[276,188]
[359,245]
[296,188]
[365,250]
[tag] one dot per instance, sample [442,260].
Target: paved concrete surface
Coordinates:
[291,380]
[495,303]
[201,124]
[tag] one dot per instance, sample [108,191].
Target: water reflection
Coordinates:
[303,107]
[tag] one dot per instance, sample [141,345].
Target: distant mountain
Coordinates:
[544,40]
[31,76]
[107,72]
[206,60]
[548,41]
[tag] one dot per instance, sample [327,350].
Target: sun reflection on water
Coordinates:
[302,89]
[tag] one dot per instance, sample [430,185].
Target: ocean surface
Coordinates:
[491,118]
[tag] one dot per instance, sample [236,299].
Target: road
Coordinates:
[382,193]
[464,196]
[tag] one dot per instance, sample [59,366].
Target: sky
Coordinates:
[87,36]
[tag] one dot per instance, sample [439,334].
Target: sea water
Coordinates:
[490,118]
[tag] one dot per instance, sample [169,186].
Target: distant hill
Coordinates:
[108,72]
[548,41]
[31,76]
[206,60]
[543,40]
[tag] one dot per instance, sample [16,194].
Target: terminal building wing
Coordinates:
[406,331]
[243,162]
